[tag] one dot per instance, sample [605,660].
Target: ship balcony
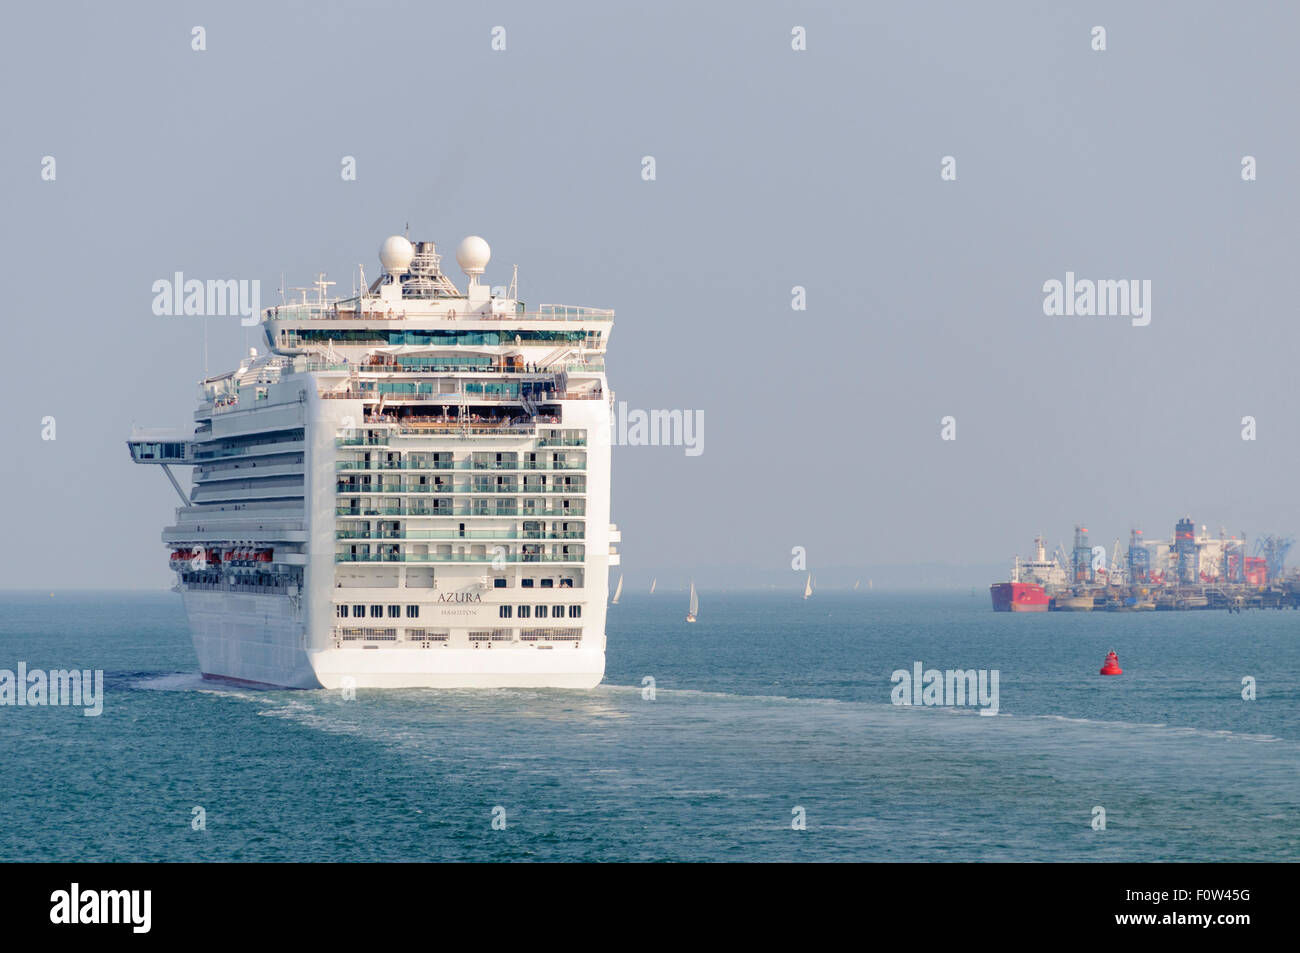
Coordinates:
[503,509]
[207,473]
[452,558]
[440,427]
[206,493]
[428,395]
[161,447]
[251,449]
[562,442]
[474,489]
[515,367]
[456,465]
[332,312]
[509,534]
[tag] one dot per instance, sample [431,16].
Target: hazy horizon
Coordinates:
[774,169]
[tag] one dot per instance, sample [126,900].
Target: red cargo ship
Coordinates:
[1018,597]
[1023,594]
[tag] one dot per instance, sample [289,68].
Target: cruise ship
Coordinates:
[410,488]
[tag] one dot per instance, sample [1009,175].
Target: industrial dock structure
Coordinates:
[1187,571]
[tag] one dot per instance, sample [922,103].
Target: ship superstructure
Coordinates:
[411,489]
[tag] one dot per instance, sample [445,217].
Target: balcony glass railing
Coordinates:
[457,534]
[350,489]
[456,465]
[455,558]
[438,428]
[561,512]
[562,442]
[372,310]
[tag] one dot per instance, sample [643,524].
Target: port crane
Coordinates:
[1059,556]
[1274,549]
[1117,571]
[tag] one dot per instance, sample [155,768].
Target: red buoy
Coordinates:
[1111,667]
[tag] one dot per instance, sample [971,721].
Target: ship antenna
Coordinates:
[321,286]
[514,286]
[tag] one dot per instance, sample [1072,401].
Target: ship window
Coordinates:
[575,612]
[541,612]
[526,583]
[341,612]
[566,583]
[394,612]
[359,612]
[557,612]
[504,612]
[376,612]
[498,583]
[548,583]
[525,611]
[413,612]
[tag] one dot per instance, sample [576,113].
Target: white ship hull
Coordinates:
[517,667]
[256,639]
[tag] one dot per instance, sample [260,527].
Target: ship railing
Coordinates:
[457,558]
[442,366]
[571,512]
[346,489]
[457,534]
[454,396]
[459,489]
[438,428]
[545,312]
[562,442]
[453,465]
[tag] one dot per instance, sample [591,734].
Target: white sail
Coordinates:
[695,603]
[856,584]
[618,591]
[652,585]
[807,589]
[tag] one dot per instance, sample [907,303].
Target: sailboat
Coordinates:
[695,604]
[856,584]
[807,588]
[652,584]
[618,591]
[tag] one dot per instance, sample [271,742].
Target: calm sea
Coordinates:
[768,709]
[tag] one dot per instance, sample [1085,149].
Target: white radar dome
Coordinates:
[395,254]
[473,255]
